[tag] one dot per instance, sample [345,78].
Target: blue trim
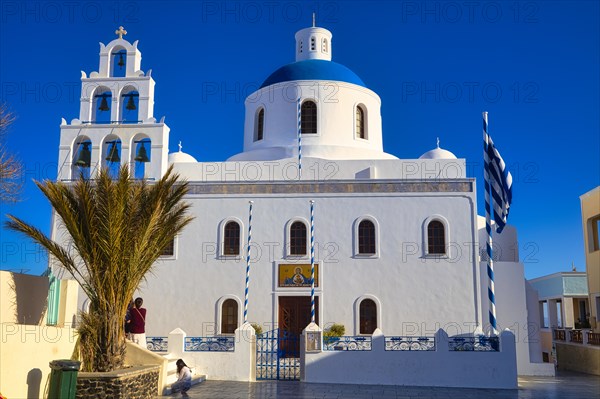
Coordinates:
[313,70]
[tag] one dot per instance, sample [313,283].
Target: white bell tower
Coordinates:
[116,123]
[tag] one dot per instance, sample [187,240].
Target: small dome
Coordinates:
[438,153]
[313,70]
[180,157]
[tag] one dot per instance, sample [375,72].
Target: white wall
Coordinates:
[442,368]
[400,277]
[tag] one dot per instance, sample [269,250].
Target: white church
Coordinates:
[396,241]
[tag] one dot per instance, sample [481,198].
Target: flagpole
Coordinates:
[312,261]
[248,261]
[299,139]
[488,226]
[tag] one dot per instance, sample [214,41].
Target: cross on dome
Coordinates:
[120,32]
[438,142]
[180,146]
[314,19]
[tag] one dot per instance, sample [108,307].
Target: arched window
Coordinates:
[308,116]
[298,239]
[260,125]
[140,156]
[313,45]
[229,316]
[129,106]
[119,63]
[366,238]
[82,150]
[360,123]
[324,46]
[368,316]
[112,155]
[101,106]
[231,239]
[436,238]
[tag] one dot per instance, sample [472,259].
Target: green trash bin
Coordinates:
[63,379]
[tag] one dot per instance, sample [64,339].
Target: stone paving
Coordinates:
[566,385]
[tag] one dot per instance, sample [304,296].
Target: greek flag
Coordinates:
[499,180]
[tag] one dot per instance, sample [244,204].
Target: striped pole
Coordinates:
[312,261]
[488,226]
[248,262]
[299,140]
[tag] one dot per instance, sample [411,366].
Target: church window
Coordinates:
[368,316]
[366,237]
[298,239]
[169,250]
[360,123]
[231,239]
[324,47]
[436,238]
[229,316]
[260,124]
[308,117]
[313,45]
[300,46]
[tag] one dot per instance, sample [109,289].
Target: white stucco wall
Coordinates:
[401,277]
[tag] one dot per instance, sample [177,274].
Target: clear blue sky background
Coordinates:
[534,65]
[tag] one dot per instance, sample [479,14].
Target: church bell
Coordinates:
[142,155]
[130,104]
[103,104]
[113,153]
[85,156]
[121,62]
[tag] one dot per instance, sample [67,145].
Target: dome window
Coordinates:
[300,46]
[360,123]
[260,125]
[308,116]
[324,46]
[313,45]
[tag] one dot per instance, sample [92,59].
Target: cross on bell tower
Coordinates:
[120,32]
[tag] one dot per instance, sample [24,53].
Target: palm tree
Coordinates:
[117,229]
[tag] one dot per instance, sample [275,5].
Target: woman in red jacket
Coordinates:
[137,325]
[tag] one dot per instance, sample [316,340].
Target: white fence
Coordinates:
[230,358]
[470,362]
[450,363]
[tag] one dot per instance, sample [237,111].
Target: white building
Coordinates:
[396,240]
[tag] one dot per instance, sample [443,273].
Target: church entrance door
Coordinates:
[294,316]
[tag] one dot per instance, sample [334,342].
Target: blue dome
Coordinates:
[313,70]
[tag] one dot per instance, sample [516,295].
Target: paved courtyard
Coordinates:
[566,385]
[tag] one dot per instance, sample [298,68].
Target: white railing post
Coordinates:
[177,342]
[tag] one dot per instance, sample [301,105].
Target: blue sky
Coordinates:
[533,65]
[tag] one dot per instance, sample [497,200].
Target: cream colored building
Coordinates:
[36,329]
[563,303]
[590,218]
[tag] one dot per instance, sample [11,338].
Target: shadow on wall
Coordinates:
[31,298]
[34,382]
